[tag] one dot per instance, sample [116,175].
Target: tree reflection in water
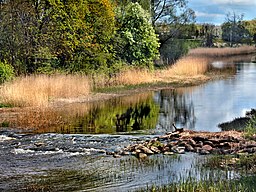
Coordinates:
[175,107]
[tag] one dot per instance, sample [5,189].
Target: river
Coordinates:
[68,150]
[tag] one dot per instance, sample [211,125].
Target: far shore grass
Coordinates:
[42,90]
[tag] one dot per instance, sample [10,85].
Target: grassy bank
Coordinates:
[40,90]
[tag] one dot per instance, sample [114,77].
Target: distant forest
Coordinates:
[104,36]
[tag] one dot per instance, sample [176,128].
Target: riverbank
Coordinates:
[195,68]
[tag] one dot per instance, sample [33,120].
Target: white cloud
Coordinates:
[203,14]
[235,2]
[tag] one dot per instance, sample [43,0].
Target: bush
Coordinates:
[250,129]
[6,72]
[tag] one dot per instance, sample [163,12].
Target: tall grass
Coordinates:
[190,66]
[221,52]
[38,90]
[134,77]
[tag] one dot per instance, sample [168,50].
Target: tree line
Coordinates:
[41,36]
[91,36]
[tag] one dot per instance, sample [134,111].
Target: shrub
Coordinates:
[6,72]
[250,129]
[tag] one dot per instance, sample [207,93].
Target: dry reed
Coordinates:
[133,77]
[188,66]
[221,52]
[38,90]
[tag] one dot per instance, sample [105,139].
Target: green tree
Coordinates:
[56,34]
[137,41]
[6,72]
[83,30]
[175,14]
[233,29]
[16,38]
[251,27]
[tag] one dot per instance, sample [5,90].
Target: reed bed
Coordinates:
[221,52]
[38,90]
[187,66]
[133,77]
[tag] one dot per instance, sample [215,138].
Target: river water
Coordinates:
[67,152]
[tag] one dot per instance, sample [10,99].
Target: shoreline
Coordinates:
[119,91]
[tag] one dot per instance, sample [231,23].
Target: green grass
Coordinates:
[243,162]
[250,128]
[245,184]
[3,105]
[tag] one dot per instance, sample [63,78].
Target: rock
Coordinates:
[168,153]
[199,138]
[125,153]
[207,148]
[216,151]
[214,141]
[203,152]
[109,153]
[147,150]
[163,137]
[192,142]
[138,151]
[180,150]
[197,149]
[172,143]
[166,149]
[200,144]
[115,155]
[174,149]
[39,144]
[250,150]
[142,155]
[181,143]
[139,146]
[225,145]
[189,148]
[155,149]
[208,143]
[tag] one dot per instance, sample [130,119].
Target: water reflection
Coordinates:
[200,108]
[124,114]
[175,107]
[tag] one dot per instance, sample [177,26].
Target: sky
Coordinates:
[215,11]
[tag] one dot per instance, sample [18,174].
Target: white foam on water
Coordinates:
[22,151]
[5,138]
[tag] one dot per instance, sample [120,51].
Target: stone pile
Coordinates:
[226,142]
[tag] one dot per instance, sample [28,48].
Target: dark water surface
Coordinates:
[68,150]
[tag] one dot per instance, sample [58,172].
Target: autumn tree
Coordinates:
[251,27]
[83,29]
[43,35]
[16,33]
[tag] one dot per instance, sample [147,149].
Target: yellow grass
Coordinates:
[221,52]
[187,66]
[133,77]
[38,90]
